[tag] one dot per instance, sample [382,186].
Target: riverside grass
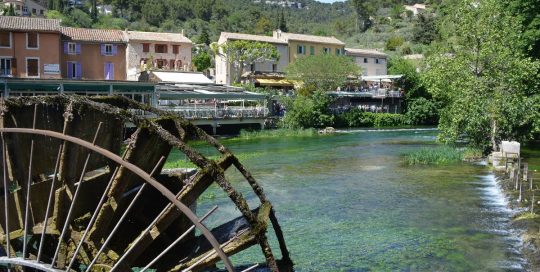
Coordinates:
[282,132]
[438,155]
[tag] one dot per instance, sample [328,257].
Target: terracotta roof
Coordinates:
[93,35]
[250,37]
[157,37]
[16,23]
[310,38]
[363,52]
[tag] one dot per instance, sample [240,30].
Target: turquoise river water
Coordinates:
[347,202]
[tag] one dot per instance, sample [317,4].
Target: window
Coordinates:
[252,67]
[160,63]
[74,70]
[377,61]
[274,67]
[160,48]
[146,47]
[72,48]
[32,67]
[108,50]
[34,11]
[32,40]
[338,51]
[109,71]
[381,61]
[175,49]
[301,49]
[171,64]
[312,50]
[5,39]
[40,12]
[326,50]
[5,67]
[25,9]
[365,60]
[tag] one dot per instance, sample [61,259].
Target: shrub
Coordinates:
[358,118]
[393,43]
[422,111]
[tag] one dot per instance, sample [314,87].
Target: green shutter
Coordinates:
[312,50]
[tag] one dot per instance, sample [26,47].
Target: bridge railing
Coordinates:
[219,113]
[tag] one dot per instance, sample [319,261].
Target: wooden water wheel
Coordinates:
[77,197]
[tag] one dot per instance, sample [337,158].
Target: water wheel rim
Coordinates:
[134,169]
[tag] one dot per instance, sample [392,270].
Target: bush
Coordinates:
[439,155]
[282,132]
[422,111]
[308,112]
[393,43]
[358,118]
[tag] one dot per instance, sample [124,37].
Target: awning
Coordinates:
[198,94]
[274,82]
[381,78]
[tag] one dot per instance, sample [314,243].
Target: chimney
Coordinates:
[277,34]
[183,32]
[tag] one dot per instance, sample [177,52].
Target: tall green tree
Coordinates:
[324,72]
[488,85]
[527,12]
[239,54]
[363,9]
[282,24]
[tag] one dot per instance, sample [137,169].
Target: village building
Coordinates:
[308,45]
[269,70]
[290,46]
[93,54]
[372,62]
[27,7]
[29,47]
[156,51]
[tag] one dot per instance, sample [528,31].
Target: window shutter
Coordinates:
[111,75]
[66,48]
[69,70]
[78,48]
[78,70]
[14,66]
[114,49]
[102,49]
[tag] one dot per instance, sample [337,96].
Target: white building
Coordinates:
[157,51]
[26,7]
[416,8]
[224,72]
[372,62]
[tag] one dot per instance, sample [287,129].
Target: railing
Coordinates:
[373,92]
[218,113]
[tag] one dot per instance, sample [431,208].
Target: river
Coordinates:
[347,202]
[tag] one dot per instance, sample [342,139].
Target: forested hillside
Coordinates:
[203,20]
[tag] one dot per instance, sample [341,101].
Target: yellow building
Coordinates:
[309,45]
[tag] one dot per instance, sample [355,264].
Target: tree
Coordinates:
[202,61]
[393,43]
[425,29]
[308,111]
[363,9]
[263,25]
[9,11]
[240,53]
[325,72]
[282,24]
[488,86]
[94,11]
[526,11]
[204,38]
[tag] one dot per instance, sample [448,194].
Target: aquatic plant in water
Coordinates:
[439,155]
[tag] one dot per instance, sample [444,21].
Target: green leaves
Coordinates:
[325,72]
[241,53]
[487,84]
